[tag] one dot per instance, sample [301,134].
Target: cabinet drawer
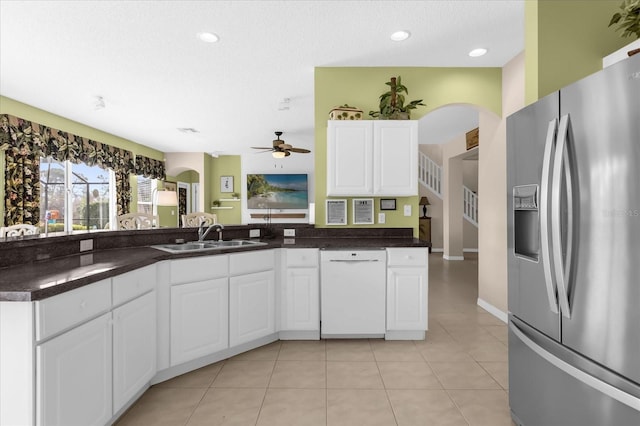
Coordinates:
[407,256]
[132,284]
[301,257]
[61,312]
[198,269]
[248,262]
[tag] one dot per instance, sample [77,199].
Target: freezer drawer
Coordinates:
[542,393]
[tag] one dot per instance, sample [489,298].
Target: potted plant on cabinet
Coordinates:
[392,105]
[628,20]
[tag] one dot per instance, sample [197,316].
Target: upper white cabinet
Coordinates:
[372,157]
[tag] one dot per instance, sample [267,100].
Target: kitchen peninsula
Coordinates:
[123,316]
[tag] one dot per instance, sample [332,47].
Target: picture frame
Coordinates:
[472,138]
[226,184]
[170,186]
[336,212]
[387,204]
[363,211]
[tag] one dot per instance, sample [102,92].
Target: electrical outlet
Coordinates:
[381,218]
[289,232]
[407,209]
[254,233]
[86,245]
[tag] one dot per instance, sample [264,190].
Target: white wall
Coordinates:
[492,175]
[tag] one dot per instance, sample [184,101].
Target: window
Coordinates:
[75,196]
[146,189]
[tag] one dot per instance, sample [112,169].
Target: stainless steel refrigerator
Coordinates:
[573,161]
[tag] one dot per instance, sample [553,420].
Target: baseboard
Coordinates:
[502,316]
[445,257]
[470,250]
[437,250]
[299,334]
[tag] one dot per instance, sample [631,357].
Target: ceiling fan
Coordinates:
[280,149]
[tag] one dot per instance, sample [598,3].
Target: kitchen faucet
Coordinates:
[202,233]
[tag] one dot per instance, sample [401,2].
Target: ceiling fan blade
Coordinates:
[299,150]
[261,147]
[285,146]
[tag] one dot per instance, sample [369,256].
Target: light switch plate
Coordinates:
[254,233]
[407,209]
[381,218]
[289,232]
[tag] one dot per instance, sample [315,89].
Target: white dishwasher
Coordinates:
[353,293]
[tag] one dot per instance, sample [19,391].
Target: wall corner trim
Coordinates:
[502,316]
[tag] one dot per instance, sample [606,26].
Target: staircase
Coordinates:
[430,176]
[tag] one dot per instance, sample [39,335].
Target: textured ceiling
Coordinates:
[155,76]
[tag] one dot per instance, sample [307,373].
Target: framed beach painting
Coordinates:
[277,191]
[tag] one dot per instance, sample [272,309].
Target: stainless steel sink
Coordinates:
[196,246]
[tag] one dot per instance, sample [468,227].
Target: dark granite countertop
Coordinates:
[40,279]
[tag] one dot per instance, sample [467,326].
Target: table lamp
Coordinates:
[424,202]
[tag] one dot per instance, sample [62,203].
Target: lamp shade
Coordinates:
[167,198]
[424,201]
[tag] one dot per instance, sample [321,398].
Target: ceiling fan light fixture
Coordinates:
[401,35]
[279,154]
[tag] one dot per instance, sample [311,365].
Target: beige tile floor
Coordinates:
[457,376]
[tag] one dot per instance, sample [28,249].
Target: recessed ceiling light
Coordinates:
[400,35]
[477,52]
[208,37]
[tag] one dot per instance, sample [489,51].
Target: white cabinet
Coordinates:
[407,293]
[198,319]
[300,308]
[372,157]
[73,376]
[251,307]
[251,296]
[134,348]
[199,307]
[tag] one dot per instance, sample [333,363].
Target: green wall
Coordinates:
[565,40]
[226,165]
[361,87]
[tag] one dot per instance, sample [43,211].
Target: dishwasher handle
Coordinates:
[354,260]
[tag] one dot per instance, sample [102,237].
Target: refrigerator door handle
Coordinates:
[561,163]
[544,216]
[591,381]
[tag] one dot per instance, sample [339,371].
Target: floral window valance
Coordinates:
[44,141]
[25,142]
[150,168]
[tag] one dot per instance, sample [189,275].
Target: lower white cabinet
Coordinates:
[199,323]
[134,348]
[407,293]
[73,376]
[300,307]
[251,307]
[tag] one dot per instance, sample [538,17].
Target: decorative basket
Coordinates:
[345,112]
